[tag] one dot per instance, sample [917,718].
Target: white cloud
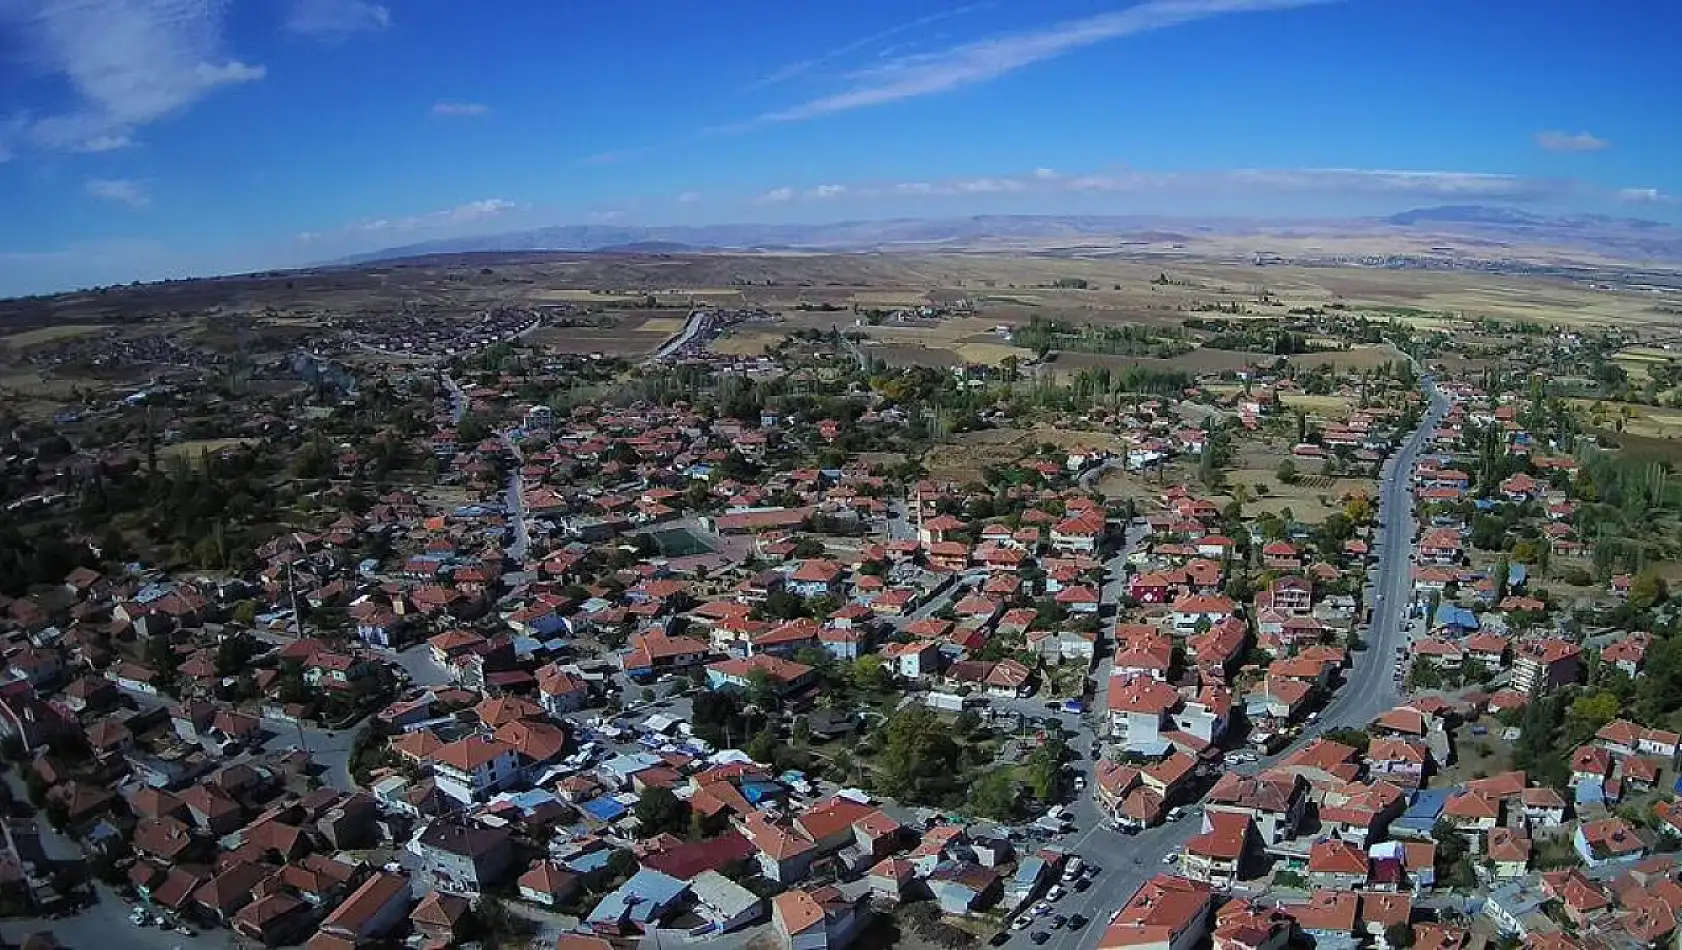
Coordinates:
[336,19]
[128,63]
[776,196]
[984,60]
[1556,141]
[1045,174]
[611,214]
[983,186]
[804,66]
[689,198]
[118,191]
[1643,196]
[105,143]
[469,213]
[827,191]
[454,109]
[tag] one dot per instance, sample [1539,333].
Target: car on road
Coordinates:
[1042,907]
[999,939]
[1073,869]
[1023,922]
[1077,922]
[1040,936]
[1171,856]
[1058,922]
[1057,892]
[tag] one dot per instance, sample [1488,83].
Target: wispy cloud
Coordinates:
[1444,185]
[455,109]
[689,198]
[1644,196]
[336,19]
[105,143]
[118,191]
[606,215]
[985,60]
[473,212]
[128,62]
[801,67]
[1555,141]
[617,156]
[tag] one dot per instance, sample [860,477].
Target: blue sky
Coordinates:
[150,138]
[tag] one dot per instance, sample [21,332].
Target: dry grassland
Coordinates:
[42,335]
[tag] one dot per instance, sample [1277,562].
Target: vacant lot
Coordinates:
[963,458]
[1311,499]
[193,449]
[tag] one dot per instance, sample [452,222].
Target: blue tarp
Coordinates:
[1517,575]
[1590,791]
[604,808]
[1450,615]
[588,861]
[756,792]
[1422,811]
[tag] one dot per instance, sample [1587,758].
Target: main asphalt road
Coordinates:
[1368,689]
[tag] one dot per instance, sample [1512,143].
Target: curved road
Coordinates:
[697,322]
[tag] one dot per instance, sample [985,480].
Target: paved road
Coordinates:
[458,401]
[515,501]
[698,321]
[1368,690]
[1369,687]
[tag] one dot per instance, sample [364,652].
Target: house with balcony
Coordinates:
[473,768]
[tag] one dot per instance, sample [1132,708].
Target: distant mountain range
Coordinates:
[1492,231]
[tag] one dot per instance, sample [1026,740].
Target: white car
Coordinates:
[1171,857]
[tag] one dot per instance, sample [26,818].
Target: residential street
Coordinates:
[1128,861]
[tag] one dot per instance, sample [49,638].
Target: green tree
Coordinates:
[763,746]
[870,674]
[919,758]
[658,810]
[1647,590]
[1590,711]
[993,795]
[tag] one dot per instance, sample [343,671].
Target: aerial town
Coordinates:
[497,633]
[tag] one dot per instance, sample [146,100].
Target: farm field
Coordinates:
[633,334]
